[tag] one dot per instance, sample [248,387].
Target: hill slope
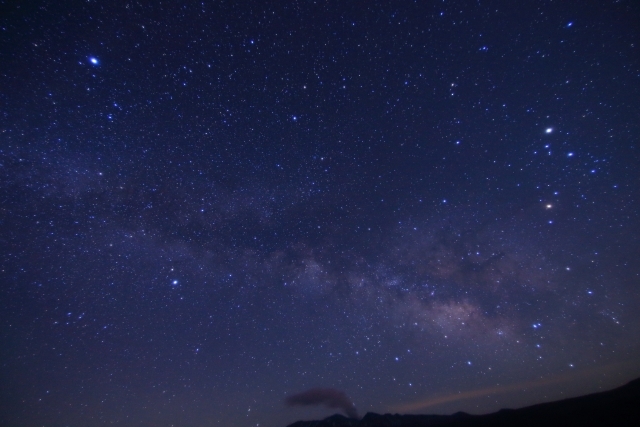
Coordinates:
[617,407]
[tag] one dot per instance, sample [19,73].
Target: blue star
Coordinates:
[94,60]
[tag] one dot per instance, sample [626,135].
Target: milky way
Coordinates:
[208,208]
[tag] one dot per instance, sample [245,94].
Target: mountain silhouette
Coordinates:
[616,408]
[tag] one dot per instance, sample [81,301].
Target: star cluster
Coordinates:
[206,208]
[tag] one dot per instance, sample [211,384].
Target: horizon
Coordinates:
[618,405]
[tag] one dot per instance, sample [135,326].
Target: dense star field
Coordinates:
[419,207]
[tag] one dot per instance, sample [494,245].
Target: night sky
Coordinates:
[208,207]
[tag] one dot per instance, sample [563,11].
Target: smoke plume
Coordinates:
[329,397]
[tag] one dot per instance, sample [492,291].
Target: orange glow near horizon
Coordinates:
[501,389]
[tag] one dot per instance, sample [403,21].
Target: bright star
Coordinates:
[548,130]
[94,60]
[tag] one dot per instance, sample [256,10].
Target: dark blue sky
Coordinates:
[208,207]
